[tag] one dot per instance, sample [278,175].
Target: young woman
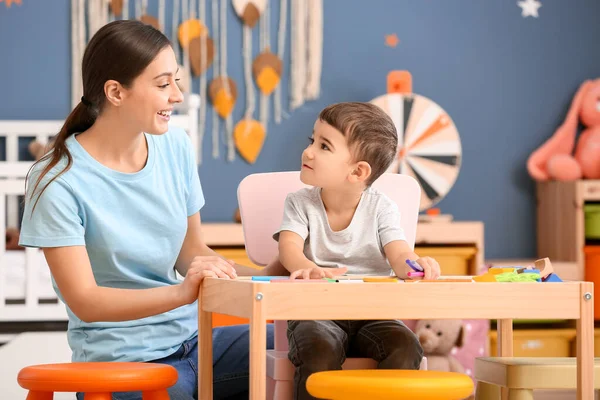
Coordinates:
[115,208]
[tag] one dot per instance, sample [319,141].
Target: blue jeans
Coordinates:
[324,345]
[230,366]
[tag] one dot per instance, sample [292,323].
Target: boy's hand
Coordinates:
[317,273]
[431,268]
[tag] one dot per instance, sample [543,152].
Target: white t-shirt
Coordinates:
[359,247]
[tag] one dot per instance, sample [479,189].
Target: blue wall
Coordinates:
[505,80]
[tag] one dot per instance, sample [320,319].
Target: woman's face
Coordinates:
[153,94]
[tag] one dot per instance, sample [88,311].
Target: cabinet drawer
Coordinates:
[453,260]
[538,343]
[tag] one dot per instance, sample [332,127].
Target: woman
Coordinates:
[115,208]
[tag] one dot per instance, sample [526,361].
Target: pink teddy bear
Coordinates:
[554,160]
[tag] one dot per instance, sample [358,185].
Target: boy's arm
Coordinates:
[291,255]
[291,252]
[398,251]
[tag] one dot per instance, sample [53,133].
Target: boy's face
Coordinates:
[327,161]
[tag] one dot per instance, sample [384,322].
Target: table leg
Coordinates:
[505,345]
[205,356]
[258,350]
[585,343]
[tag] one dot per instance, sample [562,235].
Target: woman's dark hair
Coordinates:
[119,51]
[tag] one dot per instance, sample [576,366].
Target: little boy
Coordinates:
[343,224]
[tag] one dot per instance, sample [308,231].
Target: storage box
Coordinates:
[453,260]
[537,342]
[592,220]
[592,274]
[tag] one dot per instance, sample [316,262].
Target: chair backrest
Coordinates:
[261,199]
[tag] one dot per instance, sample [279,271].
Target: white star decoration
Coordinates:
[529,8]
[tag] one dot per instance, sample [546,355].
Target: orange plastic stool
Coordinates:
[98,379]
[387,384]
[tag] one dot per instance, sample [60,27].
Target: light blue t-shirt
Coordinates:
[133,226]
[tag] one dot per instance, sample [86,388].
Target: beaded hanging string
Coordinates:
[314,38]
[281,35]
[161,15]
[227,81]
[77,48]
[249,134]
[202,80]
[216,122]
[297,53]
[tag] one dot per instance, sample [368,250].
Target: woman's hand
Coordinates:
[222,268]
[200,268]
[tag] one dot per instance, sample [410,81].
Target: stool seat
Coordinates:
[97,377]
[380,384]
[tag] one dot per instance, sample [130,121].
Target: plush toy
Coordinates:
[555,160]
[438,337]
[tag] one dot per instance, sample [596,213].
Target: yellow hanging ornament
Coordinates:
[222,92]
[192,35]
[249,136]
[266,69]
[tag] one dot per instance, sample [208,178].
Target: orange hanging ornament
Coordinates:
[249,136]
[222,92]
[150,20]
[249,10]
[116,7]
[9,2]
[266,69]
[193,35]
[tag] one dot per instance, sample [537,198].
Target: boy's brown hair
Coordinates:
[369,131]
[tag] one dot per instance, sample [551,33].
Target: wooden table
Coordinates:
[262,301]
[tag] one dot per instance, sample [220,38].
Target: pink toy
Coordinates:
[555,159]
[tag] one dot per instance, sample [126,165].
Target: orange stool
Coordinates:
[387,384]
[98,379]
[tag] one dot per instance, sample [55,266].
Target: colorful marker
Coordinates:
[268,278]
[411,274]
[414,265]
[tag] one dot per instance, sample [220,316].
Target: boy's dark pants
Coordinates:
[324,345]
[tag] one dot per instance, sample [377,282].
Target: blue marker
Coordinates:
[267,278]
[416,267]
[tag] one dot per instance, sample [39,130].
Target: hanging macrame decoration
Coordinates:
[249,10]
[86,18]
[249,134]
[9,2]
[306,51]
[184,82]
[202,55]
[143,15]
[187,18]
[266,67]
[193,36]
[116,7]
[222,90]
[281,34]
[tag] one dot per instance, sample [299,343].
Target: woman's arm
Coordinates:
[72,271]
[194,246]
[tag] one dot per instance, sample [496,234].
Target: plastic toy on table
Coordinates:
[541,271]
